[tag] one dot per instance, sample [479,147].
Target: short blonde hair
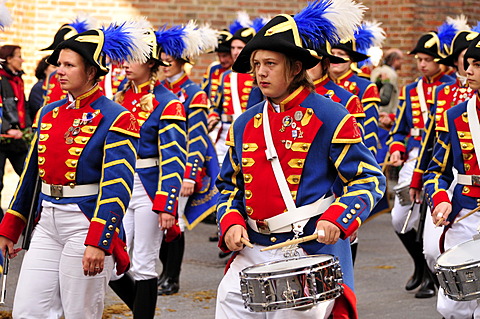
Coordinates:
[301,79]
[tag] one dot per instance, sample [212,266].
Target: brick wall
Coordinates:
[36,21]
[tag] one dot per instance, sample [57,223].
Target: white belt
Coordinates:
[69,191]
[147,162]
[415,131]
[226,118]
[468,179]
[287,221]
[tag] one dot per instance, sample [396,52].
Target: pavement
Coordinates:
[381,272]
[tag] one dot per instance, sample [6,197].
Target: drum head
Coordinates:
[462,254]
[287,264]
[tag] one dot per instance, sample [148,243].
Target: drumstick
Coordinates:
[440,221]
[468,214]
[291,242]
[246,242]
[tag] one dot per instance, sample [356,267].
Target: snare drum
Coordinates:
[402,192]
[297,283]
[458,271]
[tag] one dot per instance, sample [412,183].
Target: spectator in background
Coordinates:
[386,78]
[42,72]
[16,117]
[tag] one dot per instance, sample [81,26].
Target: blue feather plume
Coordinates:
[258,23]
[477,27]
[81,25]
[315,29]
[171,40]
[446,33]
[363,39]
[235,26]
[118,44]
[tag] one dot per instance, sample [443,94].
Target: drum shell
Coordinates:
[298,288]
[460,282]
[402,191]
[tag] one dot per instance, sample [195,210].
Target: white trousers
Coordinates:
[229,298]
[51,281]
[219,136]
[399,212]
[459,233]
[143,234]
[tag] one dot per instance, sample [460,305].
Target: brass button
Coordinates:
[196,160]
[72,175]
[345,220]
[170,202]
[465,114]
[195,165]
[174,190]
[194,169]
[114,219]
[169,207]
[193,174]
[462,135]
[305,146]
[41,160]
[349,216]
[245,146]
[467,167]
[258,116]
[299,162]
[353,211]
[91,129]
[466,189]
[310,111]
[249,210]
[273,239]
[108,235]
[248,193]
[105,242]
[110,227]
[247,178]
[357,206]
[464,145]
[244,161]
[172,196]
[295,179]
[84,140]
[44,125]
[78,151]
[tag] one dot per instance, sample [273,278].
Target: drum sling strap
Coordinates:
[295,218]
[237,108]
[474,125]
[423,103]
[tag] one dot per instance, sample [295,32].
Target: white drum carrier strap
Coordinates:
[474,125]
[237,108]
[70,191]
[295,218]
[421,100]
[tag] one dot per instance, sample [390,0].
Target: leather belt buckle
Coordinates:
[56,190]
[262,226]
[476,180]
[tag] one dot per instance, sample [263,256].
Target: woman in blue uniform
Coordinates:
[84,152]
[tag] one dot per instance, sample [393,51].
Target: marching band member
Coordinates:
[211,78]
[367,35]
[199,146]
[446,96]
[457,149]
[157,182]
[312,141]
[234,90]
[84,153]
[404,143]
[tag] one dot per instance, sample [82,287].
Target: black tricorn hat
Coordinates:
[473,51]
[65,32]
[224,41]
[280,35]
[244,34]
[349,47]
[325,51]
[89,45]
[460,42]
[429,43]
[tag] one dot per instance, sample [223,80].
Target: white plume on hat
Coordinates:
[346,16]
